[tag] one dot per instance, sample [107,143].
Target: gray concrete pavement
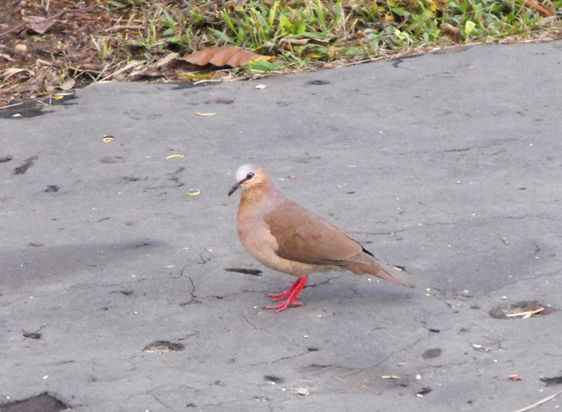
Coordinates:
[447,164]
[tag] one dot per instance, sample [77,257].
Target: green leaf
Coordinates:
[263,66]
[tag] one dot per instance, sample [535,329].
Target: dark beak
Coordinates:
[235,187]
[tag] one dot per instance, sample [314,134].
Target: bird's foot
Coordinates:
[300,283]
[291,296]
[285,305]
[280,296]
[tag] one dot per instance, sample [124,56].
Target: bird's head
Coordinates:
[249,176]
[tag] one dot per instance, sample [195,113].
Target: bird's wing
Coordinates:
[304,237]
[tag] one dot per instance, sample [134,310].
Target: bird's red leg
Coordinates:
[291,294]
[285,294]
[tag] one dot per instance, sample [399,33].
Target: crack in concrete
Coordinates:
[386,358]
[248,322]
[296,355]
[160,401]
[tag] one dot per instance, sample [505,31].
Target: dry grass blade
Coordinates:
[539,403]
[526,314]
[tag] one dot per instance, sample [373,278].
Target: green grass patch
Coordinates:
[305,32]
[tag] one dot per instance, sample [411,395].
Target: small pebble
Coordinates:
[302,391]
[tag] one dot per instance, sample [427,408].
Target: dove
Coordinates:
[284,236]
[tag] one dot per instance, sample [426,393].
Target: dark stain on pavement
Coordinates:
[432,353]
[30,161]
[274,379]
[52,189]
[424,391]
[220,100]
[244,271]
[31,335]
[44,402]
[317,83]
[556,380]
[112,159]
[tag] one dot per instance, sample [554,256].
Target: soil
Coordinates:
[47,64]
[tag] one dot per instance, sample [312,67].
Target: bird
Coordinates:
[284,236]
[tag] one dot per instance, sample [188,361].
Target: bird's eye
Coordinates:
[249,175]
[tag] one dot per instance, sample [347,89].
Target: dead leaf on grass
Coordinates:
[40,25]
[543,10]
[453,32]
[224,56]
[12,71]
[67,85]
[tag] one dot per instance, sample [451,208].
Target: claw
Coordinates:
[290,295]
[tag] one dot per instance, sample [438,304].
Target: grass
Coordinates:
[312,32]
[126,39]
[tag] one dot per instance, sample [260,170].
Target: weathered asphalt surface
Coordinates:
[447,164]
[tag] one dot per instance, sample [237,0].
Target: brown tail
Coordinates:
[374,268]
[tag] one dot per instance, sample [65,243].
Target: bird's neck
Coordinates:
[264,194]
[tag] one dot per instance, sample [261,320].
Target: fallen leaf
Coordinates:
[175,156]
[197,76]
[40,25]
[526,314]
[224,56]
[205,113]
[193,192]
[545,11]
[167,59]
[452,31]
[469,26]
[11,71]
[67,85]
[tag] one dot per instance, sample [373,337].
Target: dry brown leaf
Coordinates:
[11,71]
[40,25]
[6,57]
[67,85]
[164,61]
[545,11]
[224,56]
[452,31]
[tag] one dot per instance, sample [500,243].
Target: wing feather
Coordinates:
[304,237]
